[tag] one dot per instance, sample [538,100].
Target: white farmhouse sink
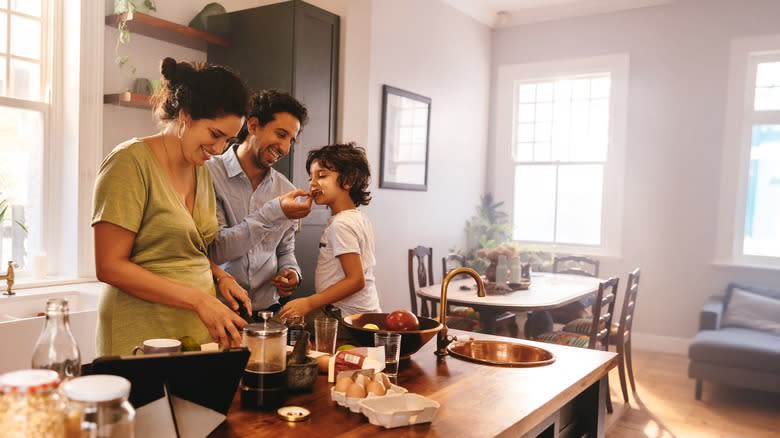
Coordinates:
[23,305]
[20,324]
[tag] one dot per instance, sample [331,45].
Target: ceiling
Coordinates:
[508,13]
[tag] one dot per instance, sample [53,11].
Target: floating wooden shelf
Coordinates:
[134,100]
[164,30]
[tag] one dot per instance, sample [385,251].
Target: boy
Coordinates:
[344,278]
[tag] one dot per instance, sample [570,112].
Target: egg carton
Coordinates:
[399,410]
[353,403]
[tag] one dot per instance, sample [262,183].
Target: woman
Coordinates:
[154,216]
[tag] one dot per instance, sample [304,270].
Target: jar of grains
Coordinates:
[30,406]
[98,407]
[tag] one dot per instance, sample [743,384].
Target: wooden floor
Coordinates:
[664,406]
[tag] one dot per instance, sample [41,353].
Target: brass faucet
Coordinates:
[9,279]
[442,340]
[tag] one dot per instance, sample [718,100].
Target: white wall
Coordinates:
[677,92]
[431,49]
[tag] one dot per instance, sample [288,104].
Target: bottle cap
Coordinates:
[97,388]
[29,381]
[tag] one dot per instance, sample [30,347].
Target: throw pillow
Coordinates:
[754,311]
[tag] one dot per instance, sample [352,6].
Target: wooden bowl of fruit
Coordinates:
[415,331]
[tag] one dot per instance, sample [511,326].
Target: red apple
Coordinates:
[402,320]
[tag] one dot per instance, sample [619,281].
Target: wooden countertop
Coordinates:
[476,400]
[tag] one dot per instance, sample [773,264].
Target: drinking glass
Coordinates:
[325,334]
[392,344]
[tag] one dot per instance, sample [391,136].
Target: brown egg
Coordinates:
[343,384]
[356,390]
[383,379]
[362,379]
[376,388]
[322,363]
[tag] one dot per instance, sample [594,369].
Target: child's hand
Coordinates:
[294,209]
[285,282]
[298,306]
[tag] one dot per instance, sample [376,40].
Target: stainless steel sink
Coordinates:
[500,353]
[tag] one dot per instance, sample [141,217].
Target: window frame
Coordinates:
[614,169]
[745,55]
[73,144]
[37,224]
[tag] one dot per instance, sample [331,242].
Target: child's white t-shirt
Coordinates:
[348,232]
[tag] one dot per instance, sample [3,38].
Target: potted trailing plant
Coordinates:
[125,9]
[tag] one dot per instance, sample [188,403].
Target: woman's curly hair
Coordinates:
[204,91]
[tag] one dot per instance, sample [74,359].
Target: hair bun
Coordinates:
[168,68]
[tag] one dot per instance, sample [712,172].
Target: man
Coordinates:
[257,205]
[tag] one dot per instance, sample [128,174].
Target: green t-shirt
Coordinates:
[133,192]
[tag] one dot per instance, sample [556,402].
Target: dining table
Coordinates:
[545,291]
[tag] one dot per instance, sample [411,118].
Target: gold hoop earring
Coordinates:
[182,127]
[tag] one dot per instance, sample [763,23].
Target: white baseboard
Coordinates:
[663,344]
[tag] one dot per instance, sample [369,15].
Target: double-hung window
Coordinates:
[750,209]
[559,152]
[25,78]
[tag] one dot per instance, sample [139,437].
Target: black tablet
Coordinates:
[178,394]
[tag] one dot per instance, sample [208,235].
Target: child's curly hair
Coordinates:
[350,161]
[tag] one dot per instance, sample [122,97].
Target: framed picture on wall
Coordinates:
[406,119]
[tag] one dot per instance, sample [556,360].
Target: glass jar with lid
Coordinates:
[30,406]
[98,407]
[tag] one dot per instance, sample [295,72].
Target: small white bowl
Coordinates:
[399,410]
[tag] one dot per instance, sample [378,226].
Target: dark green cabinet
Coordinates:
[292,46]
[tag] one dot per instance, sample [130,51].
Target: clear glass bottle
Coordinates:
[98,407]
[30,406]
[56,348]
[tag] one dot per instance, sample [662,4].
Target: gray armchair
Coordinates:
[734,354]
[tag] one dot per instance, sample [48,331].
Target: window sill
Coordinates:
[732,264]
[35,283]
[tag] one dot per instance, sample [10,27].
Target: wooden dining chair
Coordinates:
[450,262]
[420,276]
[623,339]
[506,320]
[573,265]
[577,265]
[621,332]
[596,336]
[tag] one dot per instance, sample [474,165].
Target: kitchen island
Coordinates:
[565,398]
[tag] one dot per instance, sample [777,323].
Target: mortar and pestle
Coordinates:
[301,370]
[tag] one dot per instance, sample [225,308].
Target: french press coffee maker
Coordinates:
[263,385]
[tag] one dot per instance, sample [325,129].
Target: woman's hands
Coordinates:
[223,324]
[233,293]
